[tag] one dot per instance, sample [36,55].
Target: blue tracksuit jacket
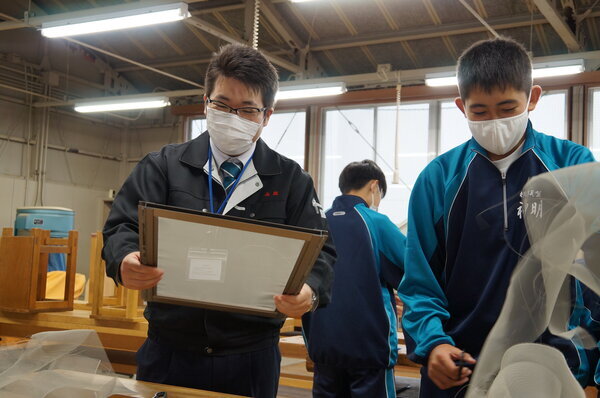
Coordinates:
[465,236]
[358,328]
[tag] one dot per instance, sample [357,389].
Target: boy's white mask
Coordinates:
[373,207]
[232,134]
[499,136]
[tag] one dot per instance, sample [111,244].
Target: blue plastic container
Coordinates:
[58,220]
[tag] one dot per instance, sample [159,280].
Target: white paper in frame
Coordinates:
[222,262]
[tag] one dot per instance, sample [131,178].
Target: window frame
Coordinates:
[189,125]
[314,149]
[588,139]
[568,109]
[434,106]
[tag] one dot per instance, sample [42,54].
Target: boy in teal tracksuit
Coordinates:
[353,341]
[466,231]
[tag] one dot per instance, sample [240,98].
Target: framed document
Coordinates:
[222,262]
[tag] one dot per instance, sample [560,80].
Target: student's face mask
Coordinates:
[232,134]
[375,207]
[499,136]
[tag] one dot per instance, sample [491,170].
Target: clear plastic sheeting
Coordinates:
[533,370]
[65,364]
[561,210]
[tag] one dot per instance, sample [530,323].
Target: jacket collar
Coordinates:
[265,159]
[347,202]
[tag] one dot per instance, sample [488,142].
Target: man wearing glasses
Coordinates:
[226,170]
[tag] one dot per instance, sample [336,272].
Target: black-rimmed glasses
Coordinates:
[247,112]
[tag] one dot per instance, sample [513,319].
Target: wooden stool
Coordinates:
[24,266]
[124,305]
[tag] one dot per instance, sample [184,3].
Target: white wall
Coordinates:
[85,202]
[73,180]
[141,141]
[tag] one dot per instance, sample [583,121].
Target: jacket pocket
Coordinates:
[271,211]
[188,200]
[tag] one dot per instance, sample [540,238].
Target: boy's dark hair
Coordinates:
[357,174]
[246,65]
[496,63]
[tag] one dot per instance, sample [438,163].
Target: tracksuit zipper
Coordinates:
[504,201]
[503,175]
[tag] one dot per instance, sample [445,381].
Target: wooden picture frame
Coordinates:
[151,215]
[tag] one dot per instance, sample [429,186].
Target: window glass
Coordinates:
[286,134]
[344,145]
[550,114]
[198,127]
[454,129]
[594,133]
[412,154]
[377,129]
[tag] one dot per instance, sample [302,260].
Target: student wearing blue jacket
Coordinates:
[353,341]
[465,230]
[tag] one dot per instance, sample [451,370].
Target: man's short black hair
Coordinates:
[357,174]
[246,65]
[496,63]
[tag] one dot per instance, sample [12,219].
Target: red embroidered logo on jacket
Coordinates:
[269,194]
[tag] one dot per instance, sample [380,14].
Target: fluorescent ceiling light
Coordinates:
[310,90]
[441,81]
[554,68]
[120,104]
[558,68]
[116,20]
[300,1]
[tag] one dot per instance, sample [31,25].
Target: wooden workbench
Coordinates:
[121,339]
[145,389]
[173,391]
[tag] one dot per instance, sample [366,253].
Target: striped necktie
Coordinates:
[230,169]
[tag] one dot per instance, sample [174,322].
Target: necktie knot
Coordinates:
[230,170]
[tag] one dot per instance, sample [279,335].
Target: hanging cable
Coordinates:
[479,18]
[357,131]
[29,101]
[396,175]
[45,163]
[285,131]
[255,24]
[531,26]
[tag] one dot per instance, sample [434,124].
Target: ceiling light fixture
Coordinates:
[558,68]
[99,21]
[541,70]
[441,79]
[310,90]
[121,104]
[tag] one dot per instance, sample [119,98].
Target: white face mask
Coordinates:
[373,207]
[232,134]
[499,136]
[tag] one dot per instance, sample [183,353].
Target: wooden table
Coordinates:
[121,339]
[143,389]
[173,391]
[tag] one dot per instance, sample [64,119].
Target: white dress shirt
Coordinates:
[220,157]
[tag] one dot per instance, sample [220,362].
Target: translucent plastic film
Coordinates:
[561,210]
[534,370]
[66,364]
